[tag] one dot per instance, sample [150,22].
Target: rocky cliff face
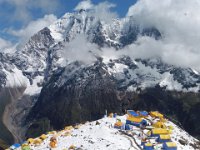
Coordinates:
[57,91]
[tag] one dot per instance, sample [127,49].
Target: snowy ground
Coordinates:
[92,136]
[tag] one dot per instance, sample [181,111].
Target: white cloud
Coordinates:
[33,27]
[101,11]
[178,21]
[4,44]
[79,49]
[85,4]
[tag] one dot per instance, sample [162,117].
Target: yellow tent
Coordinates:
[77,126]
[43,137]
[37,141]
[119,124]
[134,119]
[159,125]
[148,144]
[69,128]
[170,145]
[111,115]
[30,141]
[156,114]
[52,132]
[67,134]
[162,119]
[165,137]
[72,147]
[159,131]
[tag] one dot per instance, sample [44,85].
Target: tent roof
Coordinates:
[144,113]
[171,144]
[159,131]
[156,113]
[132,113]
[17,145]
[148,144]
[165,137]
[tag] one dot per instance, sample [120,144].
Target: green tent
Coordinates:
[26,148]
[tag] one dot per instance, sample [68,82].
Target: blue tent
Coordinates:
[15,146]
[148,146]
[115,115]
[127,127]
[132,113]
[144,113]
[163,138]
[133,123]
[169,146]
[143,122]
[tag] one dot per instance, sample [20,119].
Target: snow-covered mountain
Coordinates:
[45,80]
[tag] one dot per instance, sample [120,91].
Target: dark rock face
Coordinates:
[77,99]
[192,122]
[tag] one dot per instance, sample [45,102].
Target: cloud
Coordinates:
[86,4]
[79,49]
[179,23]
[22,10]
[4,44]
[177,20]
[101,11]
[33,27]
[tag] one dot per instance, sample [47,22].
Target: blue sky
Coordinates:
[17,14]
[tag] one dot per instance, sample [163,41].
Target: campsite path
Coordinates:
[132,140]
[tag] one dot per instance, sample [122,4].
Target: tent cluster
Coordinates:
[154,124]
[50,137]
[26,145]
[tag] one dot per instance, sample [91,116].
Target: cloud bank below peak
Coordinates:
[179,23]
